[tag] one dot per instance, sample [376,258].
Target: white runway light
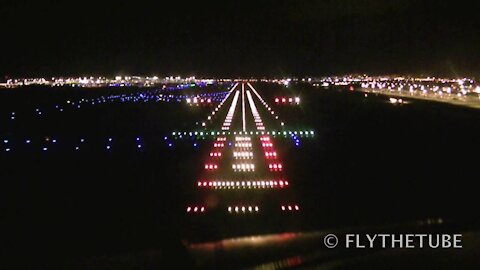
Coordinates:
[245,184]
[243,145]
[243,209]
[256,116]
[243,108]
[243,167]
[231,112]
[243,155]
[196,209]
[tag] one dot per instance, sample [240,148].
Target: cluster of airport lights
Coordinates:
[243,155]
[228,119]
[244,184]
[243,145]
[219,106]
[456,88]
[219,143]
[243,167]
[242,150]
[196,100]
[231,209]
[256,116]
[214,133]
[265,104]
[275,167]
[211,167]
[294,135]
[243,209]
[215,154]
[270,152]
[288,207]
[396,101]
[243,141]
[295,139]
[137,97]
[199,100]
[285,100]
[271,155]
[49,142]
[196,209]
[10,144]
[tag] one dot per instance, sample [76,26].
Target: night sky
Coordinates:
[240,38]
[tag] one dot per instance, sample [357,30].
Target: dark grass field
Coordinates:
[370,163]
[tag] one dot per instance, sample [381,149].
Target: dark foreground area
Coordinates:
[371,163]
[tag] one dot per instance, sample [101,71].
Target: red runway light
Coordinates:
[215,154]
[270,155]
[211,166]
[275,167]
